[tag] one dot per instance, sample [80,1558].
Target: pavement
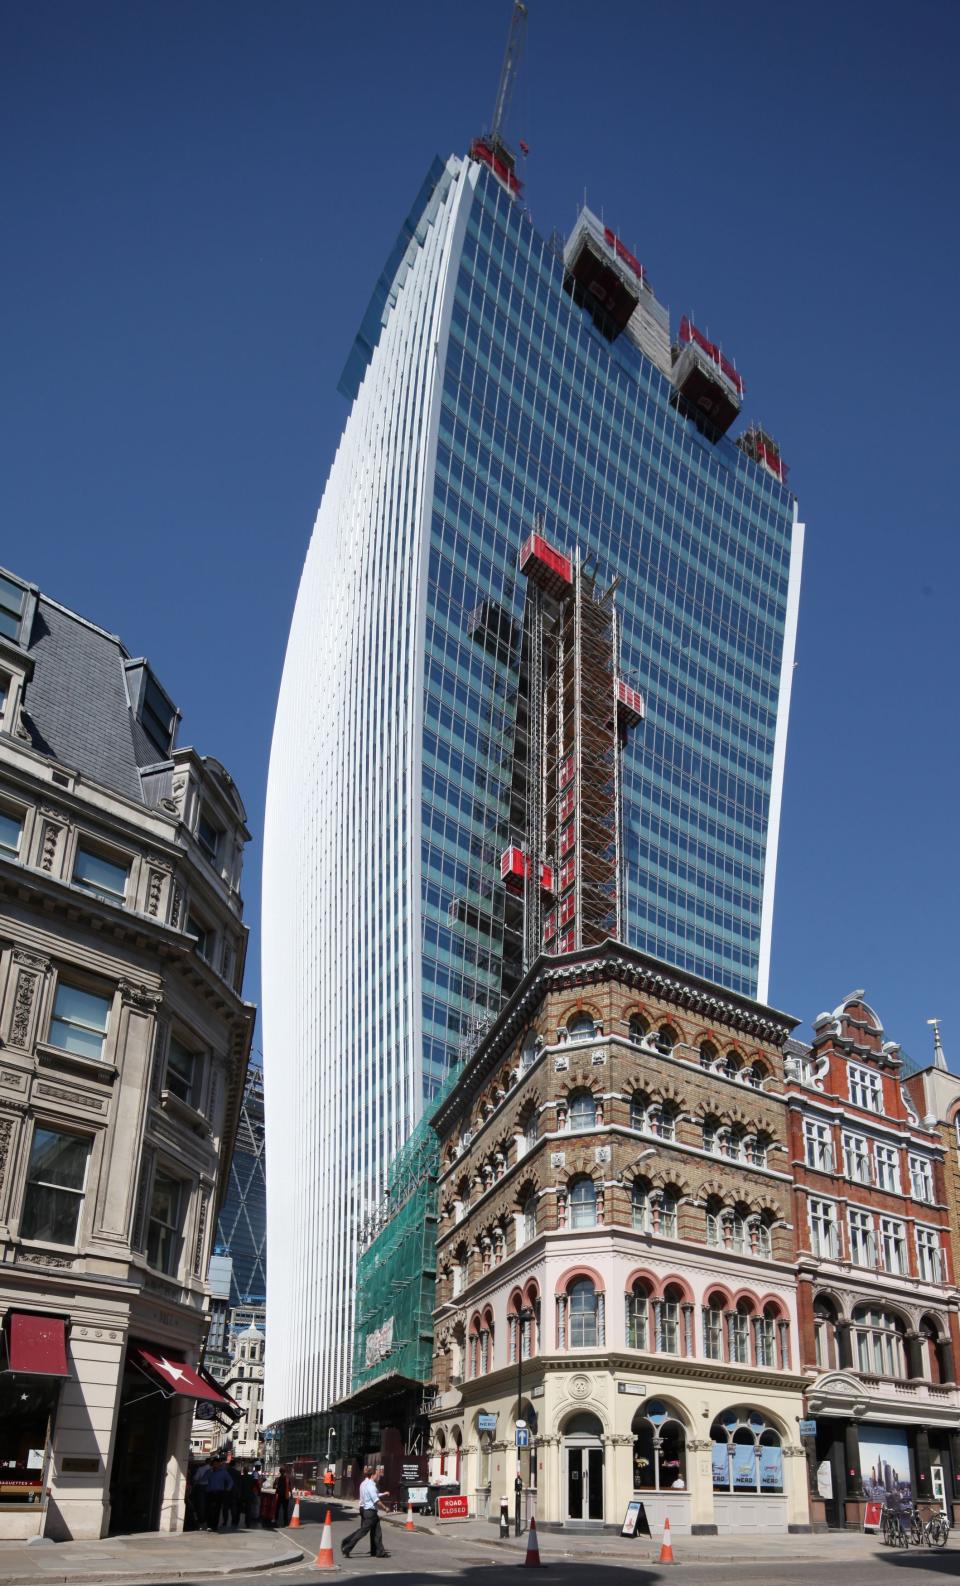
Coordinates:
[465,1550]
[147,1557]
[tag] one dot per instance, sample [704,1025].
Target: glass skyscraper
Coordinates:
[487,397]
[242,1223]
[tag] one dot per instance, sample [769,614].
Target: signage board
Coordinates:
[638,1389]
[808,1428]
[872,1513]
[417,1495]
[523,1437]
[456,1507]
[635,1522]
[486,1423]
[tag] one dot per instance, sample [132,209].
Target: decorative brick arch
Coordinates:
[747,1294]
[641,1275]
[682,1285]
[775,1299]
[580,1006]
[719,1288]
[581,1270]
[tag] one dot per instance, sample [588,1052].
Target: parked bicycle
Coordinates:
[933,1531]
[892,1528]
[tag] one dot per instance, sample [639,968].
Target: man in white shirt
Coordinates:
[371,1501]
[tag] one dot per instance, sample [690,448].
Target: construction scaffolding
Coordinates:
[397,1268]
[562,870]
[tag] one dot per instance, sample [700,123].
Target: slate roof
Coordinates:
[77,708]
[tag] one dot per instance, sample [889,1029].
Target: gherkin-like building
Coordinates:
[242,1224]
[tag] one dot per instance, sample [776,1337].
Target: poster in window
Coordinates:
[885,1467]
[744,1466]
[771,1468]
[721,1465]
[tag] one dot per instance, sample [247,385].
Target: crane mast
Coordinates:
[508,72]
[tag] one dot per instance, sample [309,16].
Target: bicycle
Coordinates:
[933,1531]
[893,1532]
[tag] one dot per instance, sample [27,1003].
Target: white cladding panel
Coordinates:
[341,884]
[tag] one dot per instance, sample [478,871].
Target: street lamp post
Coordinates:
[524,1315]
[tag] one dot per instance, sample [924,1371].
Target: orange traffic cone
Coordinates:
[324,1559]
[409,1525]
[295,1518]
[666,1547]
[532,1560]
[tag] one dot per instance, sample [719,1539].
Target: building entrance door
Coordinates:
[939,1486]
[584,1480]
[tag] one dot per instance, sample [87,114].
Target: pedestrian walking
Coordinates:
[371,1502]
[219,1487]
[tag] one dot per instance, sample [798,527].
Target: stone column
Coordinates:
[914,1355]
[618,1476]
[700,1482]
[844,1345]
[945,1358]
[551,1500]
[796,1488]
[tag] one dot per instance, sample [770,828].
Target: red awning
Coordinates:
[37,1345]
[176,1376]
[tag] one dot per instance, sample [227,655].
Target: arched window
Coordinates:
[499,1245]
[581,1024]
[582,1110]
[638,1028]
[930,1351]
[638,1315]
[725,1227]
[639,1102]
[708,1054]
[654,1211]
[740,1332]
[583,1203]
[661,1121]
[825,1333]
[713,1313]
[731,1065]
[668,1338]
[440,1451]
[529,1217]
[728,1142]
[667,1038]
[582,1306]
[531,1128]
[659,1449]
[529,1050]
[473,1348]
[758,1148]
[485,1447]
[461,1269]
[878,1342]
[747,1456]
[754,1074]
[711,1128]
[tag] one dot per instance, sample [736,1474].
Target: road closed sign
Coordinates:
[456,1507]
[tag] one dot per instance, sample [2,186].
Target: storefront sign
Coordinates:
[72,1464]
[744,1465]
[635,1522]
[486,1423]
[454,1508]
[721,1465]
[639,1389]
[808,1428]
[771,1467]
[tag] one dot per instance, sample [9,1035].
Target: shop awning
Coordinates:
[37,1345]
[175,1376]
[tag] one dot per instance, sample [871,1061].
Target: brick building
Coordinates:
[875,1271]
[616,1254]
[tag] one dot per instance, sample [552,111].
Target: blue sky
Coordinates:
[197,200]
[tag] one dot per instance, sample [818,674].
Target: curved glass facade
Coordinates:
[484,398]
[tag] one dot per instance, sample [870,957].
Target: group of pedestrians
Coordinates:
[222,1492]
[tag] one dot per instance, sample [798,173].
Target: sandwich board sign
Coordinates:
[635,1522]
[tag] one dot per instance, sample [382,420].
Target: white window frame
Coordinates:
[886,1164]
[863,1239]
[817,1145]
[865,1088]
[892,1245]
[920,1169]
[856,1157]
[65,983]
[823,1226]
[930,1261]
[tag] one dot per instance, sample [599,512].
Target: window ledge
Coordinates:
[56,1057]
[182,1110]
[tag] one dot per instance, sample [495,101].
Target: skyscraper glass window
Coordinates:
[242,1224]
[489,394]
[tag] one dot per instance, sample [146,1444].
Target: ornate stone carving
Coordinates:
[155,887]
[10,1076]
[23,1007]
[557,1158]
[601,1153]
[40,1258]
[29,960]
[6,1135]
[176,906]
[76,1098]
[53,824]
[599,1056]
[579,1387]
[139,996]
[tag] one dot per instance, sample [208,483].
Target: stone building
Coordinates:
[876,1275]
[615,1261]
[124,1048]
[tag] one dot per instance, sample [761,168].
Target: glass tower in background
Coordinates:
[496,385]
[242,1224]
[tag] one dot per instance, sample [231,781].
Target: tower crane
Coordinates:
[490,148]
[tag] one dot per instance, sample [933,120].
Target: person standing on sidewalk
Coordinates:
[283,1497]
[219,1487]
[371,1501]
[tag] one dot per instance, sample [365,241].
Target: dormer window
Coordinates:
[13,598]
[158,716]
[208,836]
[866,1089]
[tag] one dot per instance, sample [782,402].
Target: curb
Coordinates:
[154,1578]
